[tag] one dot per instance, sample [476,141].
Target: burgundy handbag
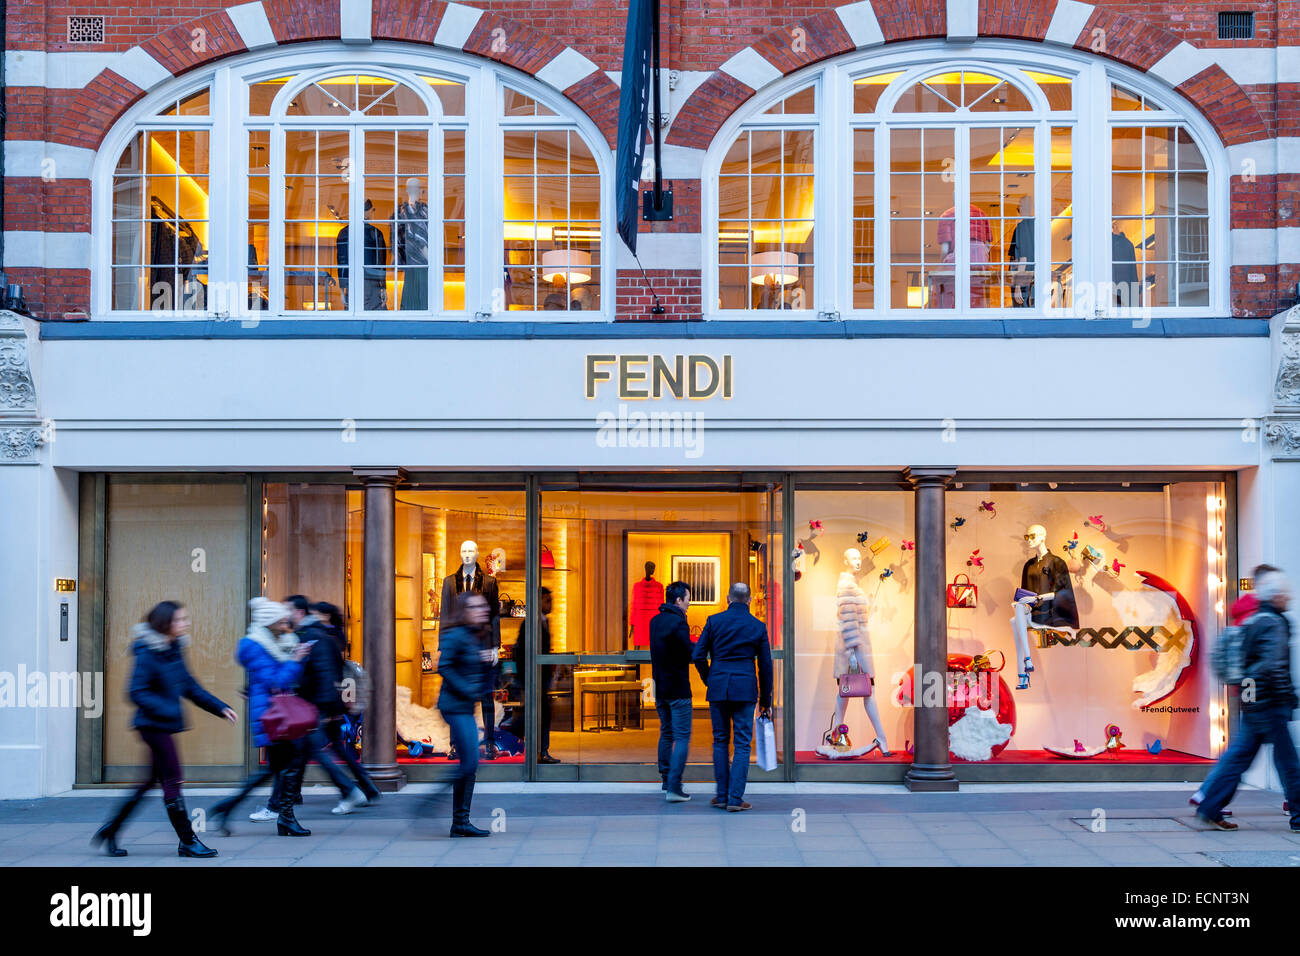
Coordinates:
[855,684]
[289,717]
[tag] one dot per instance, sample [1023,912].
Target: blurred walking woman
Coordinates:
[158,683]
[273,659]
[465,652]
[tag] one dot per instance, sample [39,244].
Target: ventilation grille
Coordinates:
[85,29]
[1236,26]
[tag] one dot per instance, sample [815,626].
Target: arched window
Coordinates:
[1023,183]
[362,189]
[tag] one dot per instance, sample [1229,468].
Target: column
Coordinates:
[930,768]
[379,627]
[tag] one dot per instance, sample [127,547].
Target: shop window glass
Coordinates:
[1118,585]
[802,103]
[1160,237]
[853,595]
[552,206]
[159,534]
[431,530]
[765,221]
[262,93]
[450,93]
[867,90]
[606,558]
[160,221]
[922,223]
[193,104]
[864,218]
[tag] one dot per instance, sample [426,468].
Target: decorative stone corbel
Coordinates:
[21,429]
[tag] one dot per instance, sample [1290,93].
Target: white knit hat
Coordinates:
[266,612]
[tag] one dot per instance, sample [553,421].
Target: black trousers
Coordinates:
[334,733]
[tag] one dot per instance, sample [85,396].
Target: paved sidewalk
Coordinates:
[629,825]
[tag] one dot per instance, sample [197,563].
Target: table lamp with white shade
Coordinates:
[566,265]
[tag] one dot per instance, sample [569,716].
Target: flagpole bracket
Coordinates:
[657,212]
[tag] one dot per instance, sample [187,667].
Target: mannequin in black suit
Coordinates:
[469,576]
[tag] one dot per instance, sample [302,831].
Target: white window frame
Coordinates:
[1090,117]
[229,121]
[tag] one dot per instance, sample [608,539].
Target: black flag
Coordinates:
[633,108]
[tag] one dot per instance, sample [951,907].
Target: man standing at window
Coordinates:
[670,666]
[732,643]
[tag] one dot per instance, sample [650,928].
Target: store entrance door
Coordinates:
[607,554]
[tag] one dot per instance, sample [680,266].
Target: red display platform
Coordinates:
[1024,756]
[482,761]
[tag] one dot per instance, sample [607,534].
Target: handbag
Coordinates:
[289,717]
[856,684]
[507,605]
[962,594]
[546,559]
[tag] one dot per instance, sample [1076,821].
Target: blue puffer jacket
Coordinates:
[265,676]
[160,680]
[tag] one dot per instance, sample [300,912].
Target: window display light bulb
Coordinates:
[1213,580]
[1218,607]
[1211,555]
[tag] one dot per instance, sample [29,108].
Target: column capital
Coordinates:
[381,476]
[929,474]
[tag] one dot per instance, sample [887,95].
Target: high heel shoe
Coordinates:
[288,825]
[1024,682]
[883,751]
[1029,665]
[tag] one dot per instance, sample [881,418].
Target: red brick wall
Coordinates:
[678,290]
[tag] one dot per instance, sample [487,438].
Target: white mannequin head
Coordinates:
[413,189]
[469,553]
[853,559]
[1036,538]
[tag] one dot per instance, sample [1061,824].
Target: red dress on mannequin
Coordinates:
[647,595]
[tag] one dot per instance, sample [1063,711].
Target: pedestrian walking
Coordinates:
[466,654]
[158,682]
[1239,612]
[1267,700]
[732,644]
[322,674]
[332,621]
[273,659]
[670,666]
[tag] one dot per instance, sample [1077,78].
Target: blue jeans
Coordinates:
[674,740]
[464,737]
[732,718]
[1260,724]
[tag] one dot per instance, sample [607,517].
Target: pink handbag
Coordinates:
[855,684]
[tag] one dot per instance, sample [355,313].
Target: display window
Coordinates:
[965,193]
[606,558]
[351,185]
[1079,616]
[853,569]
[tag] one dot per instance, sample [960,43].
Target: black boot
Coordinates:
[189,845]
[462,795]
[107,834]
[291,786]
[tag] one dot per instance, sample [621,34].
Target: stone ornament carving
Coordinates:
[1285,436]
[17,391]
[20,444]
[1286,391]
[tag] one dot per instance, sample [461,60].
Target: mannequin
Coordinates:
[1048,603]
[470,577]
[1020,253]
[647,595]
[854,650]
[411,248]
[374,258]
[943,295]
[1124,270]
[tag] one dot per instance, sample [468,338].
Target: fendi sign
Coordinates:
[661,376]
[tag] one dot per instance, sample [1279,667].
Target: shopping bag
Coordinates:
[765,733]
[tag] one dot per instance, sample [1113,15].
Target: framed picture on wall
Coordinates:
[429,582]
[702,574]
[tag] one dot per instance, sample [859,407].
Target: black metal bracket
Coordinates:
[661,213]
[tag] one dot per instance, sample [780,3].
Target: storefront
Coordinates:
[948,318]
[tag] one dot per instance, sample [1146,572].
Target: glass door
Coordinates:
[606,556]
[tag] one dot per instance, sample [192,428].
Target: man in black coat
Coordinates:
[322,673]
[730,646]
[670,666]
[1268,699]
